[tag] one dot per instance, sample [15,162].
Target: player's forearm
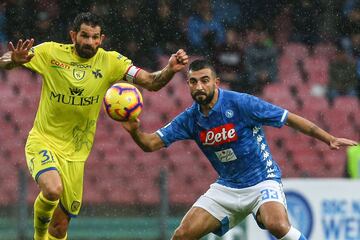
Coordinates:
[309,128]
[6,61]
[161,78]
[143,140]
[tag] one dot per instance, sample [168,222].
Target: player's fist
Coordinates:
[178,60]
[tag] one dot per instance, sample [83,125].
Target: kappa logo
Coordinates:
[219,135]
[97,73]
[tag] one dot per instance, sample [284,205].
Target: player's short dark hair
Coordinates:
[201,64]
[89,19]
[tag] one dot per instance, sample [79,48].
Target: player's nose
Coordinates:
[198,86]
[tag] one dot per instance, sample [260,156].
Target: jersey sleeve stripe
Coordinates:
[284,115]
[131,73]
[160,133]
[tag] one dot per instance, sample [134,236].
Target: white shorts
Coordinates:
[230,205]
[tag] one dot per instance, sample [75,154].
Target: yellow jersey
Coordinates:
[71,96]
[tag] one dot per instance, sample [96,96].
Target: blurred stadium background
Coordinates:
[129,194]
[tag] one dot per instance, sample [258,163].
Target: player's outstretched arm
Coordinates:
[148,142]
[309,128]
[17,55]
[156,80]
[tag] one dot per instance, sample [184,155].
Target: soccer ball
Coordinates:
[123,102]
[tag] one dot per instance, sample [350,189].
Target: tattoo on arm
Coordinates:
[161,78]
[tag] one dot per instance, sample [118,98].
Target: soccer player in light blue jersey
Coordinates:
[227,127]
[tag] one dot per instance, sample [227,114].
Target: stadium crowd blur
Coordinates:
[303,55]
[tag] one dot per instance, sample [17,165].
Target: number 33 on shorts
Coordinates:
[268,194]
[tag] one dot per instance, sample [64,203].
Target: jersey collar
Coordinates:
[217,106]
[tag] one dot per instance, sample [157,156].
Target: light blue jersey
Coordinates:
[231,137]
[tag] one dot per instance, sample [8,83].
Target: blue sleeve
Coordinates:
[257,111]
[176,130]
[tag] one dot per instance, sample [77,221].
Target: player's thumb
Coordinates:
[29,57]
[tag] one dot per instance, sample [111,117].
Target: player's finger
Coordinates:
[347,142]
[28,44]
[25,45]
[185,61]
[11,46]
[184,57]
[178,59]
[352,143]
[19,43]
[180,51]
[29,57]
[31,43]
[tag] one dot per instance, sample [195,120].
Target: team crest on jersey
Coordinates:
[219,135]
[78,74]
[229,113]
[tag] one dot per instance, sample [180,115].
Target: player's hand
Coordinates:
[20,53]
[336,143]
[131,125]
[178,60]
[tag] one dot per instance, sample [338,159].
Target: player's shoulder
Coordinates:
[113,56]
[52,46]
[191,113]
[62,46]
[230,95]
[109,53]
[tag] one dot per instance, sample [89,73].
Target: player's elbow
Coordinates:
[147,149]
[150,147]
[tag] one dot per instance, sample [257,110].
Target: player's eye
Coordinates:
[205,80]
[192,81]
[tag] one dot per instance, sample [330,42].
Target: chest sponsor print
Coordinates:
[226,155]
[219,135]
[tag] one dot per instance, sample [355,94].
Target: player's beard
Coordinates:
[203,101]
[85,51]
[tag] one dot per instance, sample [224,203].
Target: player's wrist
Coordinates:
[170,69]
[6,61]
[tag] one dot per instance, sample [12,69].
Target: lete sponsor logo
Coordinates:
[219,135]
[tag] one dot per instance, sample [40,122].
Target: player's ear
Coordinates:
[102,38]
[73,36]
[217,81]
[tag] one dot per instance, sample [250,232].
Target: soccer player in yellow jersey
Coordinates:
[75,78]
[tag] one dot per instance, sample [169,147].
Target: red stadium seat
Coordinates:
[295,50]
[325,50]
[347,104]
[317,67]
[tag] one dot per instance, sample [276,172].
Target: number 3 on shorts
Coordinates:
[46,156]
[269,194]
